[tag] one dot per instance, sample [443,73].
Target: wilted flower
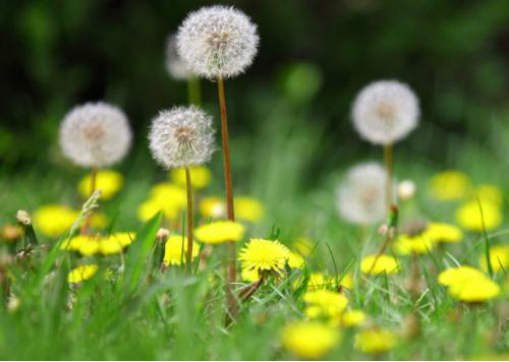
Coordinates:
[182,137]
[95,135]
[385,112]
[309,340]
[175,66]
[361,195]
[217,42]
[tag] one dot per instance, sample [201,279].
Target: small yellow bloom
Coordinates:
[499,258]
[347,281]
[264,255]
[124,238]
[74,243]
[212,207]
[324,303]
[385,264]
[309,340]
[444,233]
[110,246]
[149,208]
[488,193]
[175,250]
[316,281]
[248,208]
[376,340]
[468,284]
[457,275]
[200,176]
[469,216]
[89,247]
[450,185]
[54,220]
[108,181]
[353,318]
[218,232]
[304,246]
[418,244]
[295,261]
[82,273]
[167,192]
[250,275]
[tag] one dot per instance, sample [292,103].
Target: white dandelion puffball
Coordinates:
[361,195]
[217,42]
[182,136]
[95,135]
[385,112]
[175,66]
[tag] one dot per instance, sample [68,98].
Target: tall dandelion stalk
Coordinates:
[218,43]
[95,135]
[183,137]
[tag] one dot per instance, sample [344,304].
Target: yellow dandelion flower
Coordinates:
[264,255]
[450,185]
[82,273]
[108,181]
[499,258]
[353,318]
[475,290]
[74,243]
[489,193]
[385,264]
[470,217]
[110,246]
[124,238]
[303,246]
[200,176]
[89,247]
[250,275]
[167,192]
[295,261]
[444,233]
[324,303]
[457,275]
[309,340]
[175,250]
[248,209]
[347,281]
[149,208]
[418,244]
[376,340]
[212,207]
[218,232]
[54,220]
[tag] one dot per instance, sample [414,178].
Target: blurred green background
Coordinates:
[294,102]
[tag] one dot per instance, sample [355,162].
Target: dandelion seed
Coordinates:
[175,66]
[385,112]
[95,135]
[217,41]
[361,195]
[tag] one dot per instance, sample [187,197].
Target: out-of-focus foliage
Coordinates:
[315,55]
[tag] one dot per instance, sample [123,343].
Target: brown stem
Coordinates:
[388,170]
[229,192]
[244,295]
[190,220]
[93,182]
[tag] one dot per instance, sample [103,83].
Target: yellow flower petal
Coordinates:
[175,250]
[108,181]
[374,341]
[450,185]
[220,232]
[470,216]
[82,273]
[200,176]
[309,340]
[385,264]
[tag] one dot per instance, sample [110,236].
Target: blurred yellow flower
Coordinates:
[295,261]
[124,238]
[54,220]
[418,244]
[175,250]
[450,185]
[200,176]
[248,209]
[212,207]
[108,181]
[353,318]
[385,264]
[324,303]
[250,275]
[98,220]
[309,340]
[166,192]
[468,284]
[347,281]
[499,258]
[82,273]
[470,216]
[375,340]
[304,246]
[74,243]
[444,233]
[218,232]
[89,247]
[264,255]
[110,246]
[149,208]
[488,193]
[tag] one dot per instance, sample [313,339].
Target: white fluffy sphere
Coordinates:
[360,198]
[175,66]
[385,112]
[182,136]
[95,135]
[217,42]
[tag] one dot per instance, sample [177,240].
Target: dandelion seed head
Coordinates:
[361,195]
[95,135]
[217,41]
[175,66]
[181,137]
[385,112]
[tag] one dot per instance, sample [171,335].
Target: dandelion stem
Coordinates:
[190,220]
[229,191]
[388,170]
[194,91]
[93,186]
